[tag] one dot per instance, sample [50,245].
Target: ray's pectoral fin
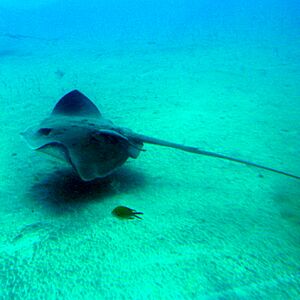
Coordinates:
[105,151]
[132,146]
[155,141]
[76,104]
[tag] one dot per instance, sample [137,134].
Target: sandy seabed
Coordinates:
[211,229]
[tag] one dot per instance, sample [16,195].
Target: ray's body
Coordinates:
[77,133]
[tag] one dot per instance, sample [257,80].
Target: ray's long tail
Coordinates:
[196,150]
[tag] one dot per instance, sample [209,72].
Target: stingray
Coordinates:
[76,133]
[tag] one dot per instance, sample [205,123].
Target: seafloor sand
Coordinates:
[211,229]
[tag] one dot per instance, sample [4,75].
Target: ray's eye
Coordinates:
[44,131]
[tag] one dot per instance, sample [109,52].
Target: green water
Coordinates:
[223,77]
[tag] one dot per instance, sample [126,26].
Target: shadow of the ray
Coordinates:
[63,190]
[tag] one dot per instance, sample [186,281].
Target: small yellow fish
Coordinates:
[124,212]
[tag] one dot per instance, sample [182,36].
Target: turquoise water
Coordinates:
[220,75]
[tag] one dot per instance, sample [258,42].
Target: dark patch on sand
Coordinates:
[63,191]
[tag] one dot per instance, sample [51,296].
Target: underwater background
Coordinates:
[220,75]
